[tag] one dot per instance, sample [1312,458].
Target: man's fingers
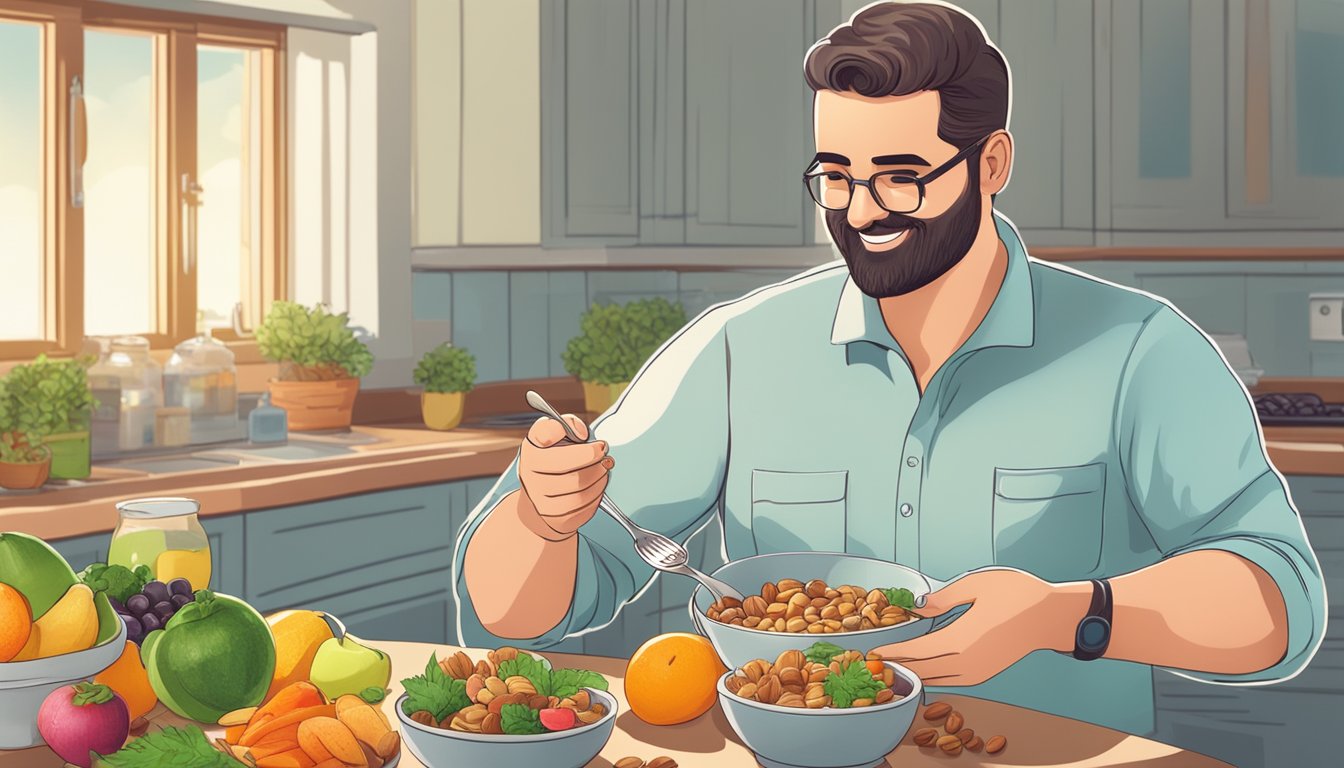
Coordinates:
[959,592]
[546,432]
[952,640]
[560,486]
[562,459]
[576,424]
[937,671]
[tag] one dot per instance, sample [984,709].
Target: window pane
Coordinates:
[20,181]
[118,182]
[1164,89]
[1320,99]
[228,155]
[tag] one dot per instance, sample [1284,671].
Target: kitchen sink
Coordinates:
[240,454]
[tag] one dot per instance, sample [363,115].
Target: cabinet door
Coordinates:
[1167,114]
[748,122]
[590,157]
[1285,114]
[83,551]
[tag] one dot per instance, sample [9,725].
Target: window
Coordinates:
[141,175]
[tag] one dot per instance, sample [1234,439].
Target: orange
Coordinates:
[298,634]
[128,678]
[16,622]
[671,678]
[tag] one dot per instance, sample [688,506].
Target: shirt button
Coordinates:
[912,462]
[907,510]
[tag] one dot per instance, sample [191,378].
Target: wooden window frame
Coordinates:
[176,36]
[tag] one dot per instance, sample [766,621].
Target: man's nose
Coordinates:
[863,208]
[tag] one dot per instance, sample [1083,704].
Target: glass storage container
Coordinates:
[201,377]
[166,535]
[128,370]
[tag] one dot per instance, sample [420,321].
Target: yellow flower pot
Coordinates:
[442,410]
[597,398]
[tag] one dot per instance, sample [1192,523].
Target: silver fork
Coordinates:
[653,548]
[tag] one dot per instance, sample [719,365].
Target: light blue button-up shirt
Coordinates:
[1084,430]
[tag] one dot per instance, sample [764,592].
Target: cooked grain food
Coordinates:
[815,608]
[822,676]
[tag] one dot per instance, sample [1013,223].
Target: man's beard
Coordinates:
[928,249]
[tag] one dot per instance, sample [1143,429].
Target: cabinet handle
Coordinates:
[191,200]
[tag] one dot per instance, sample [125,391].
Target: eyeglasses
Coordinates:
[895,191]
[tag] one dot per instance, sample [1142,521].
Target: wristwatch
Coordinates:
[1094,631]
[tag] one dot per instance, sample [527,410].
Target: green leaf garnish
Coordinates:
[822,652]
[567,682]
[434,692]
[520,720]
[559,683]
[170,746]
[530,667]
[900,597]
[853,682]
[114,580]
[373,695]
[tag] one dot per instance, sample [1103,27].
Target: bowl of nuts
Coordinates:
[866,601]
[823,707]
[511,710]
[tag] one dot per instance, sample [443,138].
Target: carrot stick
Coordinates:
[254,735]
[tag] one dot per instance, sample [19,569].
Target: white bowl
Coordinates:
[24,685]
[792,737]
[574,748]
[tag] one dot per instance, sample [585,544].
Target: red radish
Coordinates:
[557,719]
[76,719]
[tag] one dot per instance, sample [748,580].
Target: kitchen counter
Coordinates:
[1034,738]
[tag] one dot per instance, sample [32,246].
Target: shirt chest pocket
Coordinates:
[798,511]
[1048,521]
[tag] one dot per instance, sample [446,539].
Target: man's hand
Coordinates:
[1012,613]
[562,484]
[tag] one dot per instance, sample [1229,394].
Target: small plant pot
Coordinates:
[442,410]
[69,455]
[25,476]
[597,398]
[314,405]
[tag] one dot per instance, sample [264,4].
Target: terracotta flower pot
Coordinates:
[442,410]
[22,477]
[313,405]
[597,398]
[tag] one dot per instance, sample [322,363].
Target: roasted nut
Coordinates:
[769,689]
[864,702]
[537,701]
[582,700]
[756,669]
[888,676]
[475,684]
[769,592]
[797,604]
[496,686]
[791,678]
[818,675]
[662,761]
[731,602]
[996,744]
[937,711]
[485,696]
[751,622]
[590,716]
[734,683]
[776,610]
[965,735]
[747,691]
[851,623]
[950,745]
[498,703]
[954,722]
[790,699]
[785,595]
[501,655]
[794,659]
[925,737]
[755,606]
[796,624]
[787,584]
[830,612]
[629,762]
[425,717]
[975,744]
[520,684]
[458,666]
[884,695]
[492,723]
[730,614]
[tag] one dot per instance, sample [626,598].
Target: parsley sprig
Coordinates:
[900,597]
[435,692]
[520,720]
[853,682]
[181,747]
[822,652]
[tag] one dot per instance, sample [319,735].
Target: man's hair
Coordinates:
[894,49]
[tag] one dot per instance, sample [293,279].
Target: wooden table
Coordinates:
[1034,739]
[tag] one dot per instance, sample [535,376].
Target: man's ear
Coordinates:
[996,162]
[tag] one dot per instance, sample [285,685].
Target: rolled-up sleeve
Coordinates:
[669,437]
[1196,471]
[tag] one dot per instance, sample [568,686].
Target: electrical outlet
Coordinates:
[1327,316]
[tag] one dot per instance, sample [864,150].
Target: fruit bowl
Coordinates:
[24,685]
[792,737]
[573,748]
[739,645]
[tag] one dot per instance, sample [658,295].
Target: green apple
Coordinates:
[345,666]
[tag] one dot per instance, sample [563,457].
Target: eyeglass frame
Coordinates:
[919,181]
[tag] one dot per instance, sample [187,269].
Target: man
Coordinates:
[943,401]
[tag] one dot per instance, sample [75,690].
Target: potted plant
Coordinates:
[614,341]
[447,373]
[321,361]
[57,393]
[24,461]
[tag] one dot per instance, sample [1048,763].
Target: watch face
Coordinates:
[1093,633]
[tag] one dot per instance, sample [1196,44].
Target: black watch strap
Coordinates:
[1094,631]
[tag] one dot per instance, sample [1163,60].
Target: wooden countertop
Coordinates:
[385,457]
[1034,738]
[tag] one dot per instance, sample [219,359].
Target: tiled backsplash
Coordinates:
[517,323]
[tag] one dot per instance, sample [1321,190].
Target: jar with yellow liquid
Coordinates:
[166,535]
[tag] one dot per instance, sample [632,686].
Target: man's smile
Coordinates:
[890,239]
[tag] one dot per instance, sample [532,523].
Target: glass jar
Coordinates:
[201,376]
[166,535]
[140,382]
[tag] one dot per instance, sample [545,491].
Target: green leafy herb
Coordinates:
[853,682]
[375,694]
[180,747]
[115,580]
[312,344]
[551,682]
[435,692]
[520,720]
[144,573]
[446,369]
[822,652]
[899,596]
[615,340]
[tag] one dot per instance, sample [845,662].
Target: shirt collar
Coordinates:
[1010,322]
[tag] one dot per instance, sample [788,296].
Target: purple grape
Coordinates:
[117,605]
[165,610]
[156,591]
[135,631]
[150,623]
[181,600]
[179,587]
[138,605]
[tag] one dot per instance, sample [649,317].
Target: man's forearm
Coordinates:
[1205,611]
[520,583]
